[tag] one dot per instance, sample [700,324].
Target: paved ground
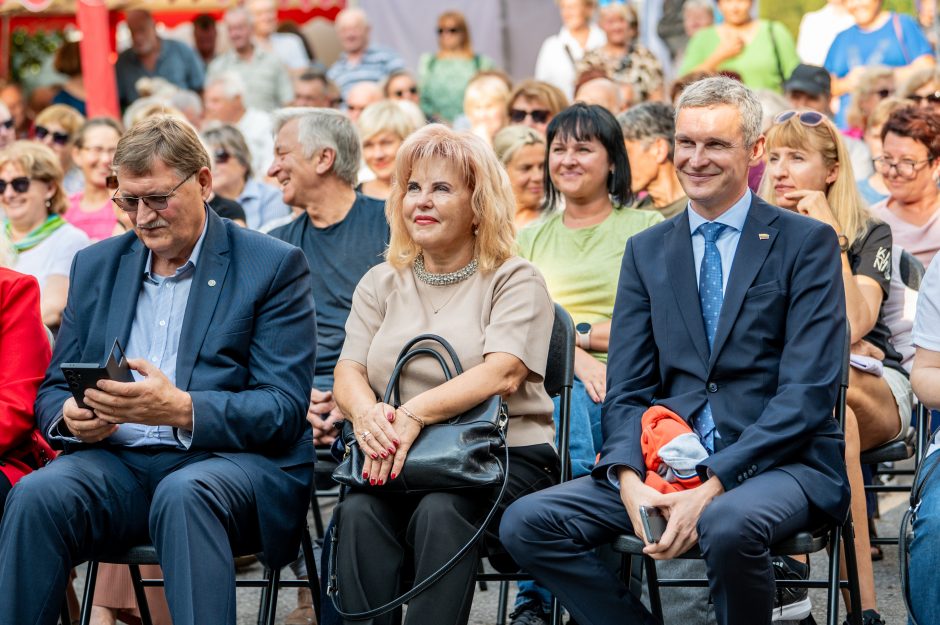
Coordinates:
[485,602]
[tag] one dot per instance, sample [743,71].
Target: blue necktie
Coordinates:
[711,296]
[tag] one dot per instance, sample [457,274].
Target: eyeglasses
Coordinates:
[59,138]
[8,124]
[449,31]
[130,203]
[807,118]
[19,184]
[905,168]
[930,98]
[221,157]
[539,116]
[400,93]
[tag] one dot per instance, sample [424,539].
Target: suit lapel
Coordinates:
[680,266]
[124,293]
[757,238]
[208,281]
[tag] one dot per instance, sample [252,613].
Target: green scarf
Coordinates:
[37,236]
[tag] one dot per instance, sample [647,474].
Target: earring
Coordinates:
[48,203]
[476,229]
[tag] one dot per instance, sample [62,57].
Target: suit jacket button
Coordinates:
[740,479]
[712,387]
[753,468]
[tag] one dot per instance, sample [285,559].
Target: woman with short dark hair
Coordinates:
[910,168]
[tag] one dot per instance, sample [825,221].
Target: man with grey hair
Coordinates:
[342,232]
[649,135]
[603,92]
[744,294]
[224,99]
[204,451]
[267,82]
[360,61]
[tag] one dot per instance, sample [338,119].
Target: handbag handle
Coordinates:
[406,354]
[333,589]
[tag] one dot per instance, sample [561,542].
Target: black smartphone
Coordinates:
[654,523]
[81,375]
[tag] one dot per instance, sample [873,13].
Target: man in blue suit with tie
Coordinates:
[731,315]
[206,452]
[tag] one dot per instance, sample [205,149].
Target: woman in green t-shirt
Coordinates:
[760,51]
[444,74]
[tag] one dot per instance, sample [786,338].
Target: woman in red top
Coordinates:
[24,355]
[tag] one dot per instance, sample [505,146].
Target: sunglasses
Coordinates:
[20,184]
[400,93]
[221,157]
[807,118]
[450,31]
[59,138]
[539,116]
[130,203]
[8,124]
[931,98]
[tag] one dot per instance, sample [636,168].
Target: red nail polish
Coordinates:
[365,474]
[394,476]
[391,450]
[372,481]
[374,456]
[397,442]
[390,416]
[384,454]
[381,482]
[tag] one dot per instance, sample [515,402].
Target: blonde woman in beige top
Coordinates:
[450,271]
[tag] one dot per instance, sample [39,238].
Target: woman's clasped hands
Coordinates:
[385,435]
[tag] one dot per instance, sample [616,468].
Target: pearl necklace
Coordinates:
[442,279]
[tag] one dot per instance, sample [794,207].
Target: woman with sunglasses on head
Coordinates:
[55,128]
[876,84]
[233,179]
[443,75]
[622,58]
[91,209]
[33,201]
[809,171]
[910,168]
[534,103]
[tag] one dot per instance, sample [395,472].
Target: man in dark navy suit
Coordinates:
[730,314]
[206,452]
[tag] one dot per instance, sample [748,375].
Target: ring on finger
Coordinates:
[365,435]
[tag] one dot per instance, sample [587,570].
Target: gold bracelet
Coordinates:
[412,415]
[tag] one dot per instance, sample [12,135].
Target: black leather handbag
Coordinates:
[458,453]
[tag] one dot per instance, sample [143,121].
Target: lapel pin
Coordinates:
[763,236]
[211,282]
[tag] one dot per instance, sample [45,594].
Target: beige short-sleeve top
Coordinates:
[507,310]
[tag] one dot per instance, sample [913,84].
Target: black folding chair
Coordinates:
[559,378]
[140,555]
[833,535]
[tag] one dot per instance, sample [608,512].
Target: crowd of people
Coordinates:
[710,198]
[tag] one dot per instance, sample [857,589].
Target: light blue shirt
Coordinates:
[262,203]
[727,242]
[155,336]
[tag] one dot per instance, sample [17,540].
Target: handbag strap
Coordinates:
[407,353]
[773,42]
[416,589]
[906,520]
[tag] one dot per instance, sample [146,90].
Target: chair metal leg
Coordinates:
[832,592]
[271,608]
[313,577]
[140,595]
[265,592]
[317,516]
[91,577]
[652,582]
[502,604]
[556,611]
[851,565]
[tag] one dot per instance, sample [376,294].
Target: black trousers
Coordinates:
[552,534]
[387,540]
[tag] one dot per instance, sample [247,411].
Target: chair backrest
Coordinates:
[912,271]
[559,371]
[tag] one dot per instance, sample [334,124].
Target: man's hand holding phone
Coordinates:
[151,401]
[84,424]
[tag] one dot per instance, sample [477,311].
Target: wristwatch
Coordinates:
[584,335]
[843,243]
